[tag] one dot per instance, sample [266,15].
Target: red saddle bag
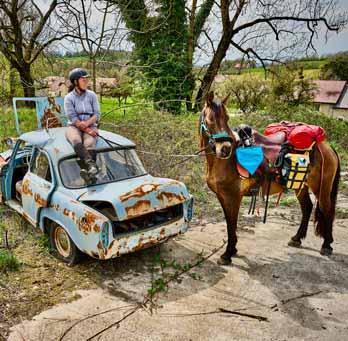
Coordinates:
[300,135]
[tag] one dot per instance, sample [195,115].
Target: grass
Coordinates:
[8,261]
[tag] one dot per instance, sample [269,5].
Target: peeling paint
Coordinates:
[87,223]
[26,190]
[101,252]
[139,191]
[139,208]
[39,200]
[170,199]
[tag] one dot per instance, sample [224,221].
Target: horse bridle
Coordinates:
[212,138]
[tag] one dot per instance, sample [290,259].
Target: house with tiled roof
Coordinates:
[331,97]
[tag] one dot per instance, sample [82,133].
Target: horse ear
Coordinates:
[225,100]
[209,98]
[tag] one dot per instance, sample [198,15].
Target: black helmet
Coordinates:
[76,74]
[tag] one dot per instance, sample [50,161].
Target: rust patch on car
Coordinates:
[169,199]
[111,245]
[139,191]
[141,245]
[66,212]
[26,190]
[101,251]
[26,216]
[87,223]
[55,206]
[39,200]
[139,208]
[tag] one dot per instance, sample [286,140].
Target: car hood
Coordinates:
[135,197]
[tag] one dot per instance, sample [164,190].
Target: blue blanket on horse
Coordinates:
[250,158]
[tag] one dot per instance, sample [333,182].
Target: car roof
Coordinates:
[55,143]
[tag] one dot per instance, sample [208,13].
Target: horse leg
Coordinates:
[324,221]
[306,208]
[230,204]
[325,210]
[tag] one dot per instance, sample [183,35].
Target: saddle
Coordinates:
[278,151]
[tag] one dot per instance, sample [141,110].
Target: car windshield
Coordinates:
[113,164]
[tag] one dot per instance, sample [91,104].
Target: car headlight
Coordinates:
[104,235]
[189,209]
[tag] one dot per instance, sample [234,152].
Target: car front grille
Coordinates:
[148,221]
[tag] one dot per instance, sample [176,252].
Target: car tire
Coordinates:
[63,246]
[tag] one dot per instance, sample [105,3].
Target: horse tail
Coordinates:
[319,218]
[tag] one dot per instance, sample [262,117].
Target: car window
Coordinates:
[114,165]
[41,167]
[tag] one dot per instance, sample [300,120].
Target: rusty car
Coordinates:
[124,211]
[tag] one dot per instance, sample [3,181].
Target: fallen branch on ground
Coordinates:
[257,317]
[148,299]
[297,298]
[87,318]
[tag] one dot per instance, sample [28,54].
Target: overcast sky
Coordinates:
[337,42]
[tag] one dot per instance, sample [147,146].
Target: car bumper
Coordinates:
[142,240]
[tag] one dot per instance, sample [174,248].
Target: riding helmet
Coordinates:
[77,73]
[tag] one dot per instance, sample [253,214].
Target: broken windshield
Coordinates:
[113,164]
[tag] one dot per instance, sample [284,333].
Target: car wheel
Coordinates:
[64,248]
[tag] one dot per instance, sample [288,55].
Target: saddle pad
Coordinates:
[250,158]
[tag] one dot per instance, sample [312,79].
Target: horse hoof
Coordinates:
[325,251]
[224,261]
[294,243]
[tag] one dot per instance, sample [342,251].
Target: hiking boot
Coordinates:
[92,168]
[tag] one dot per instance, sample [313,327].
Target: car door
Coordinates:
[38,185]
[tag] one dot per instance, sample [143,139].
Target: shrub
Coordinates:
[248,92]
[289,88]
[335,68]
[8,261]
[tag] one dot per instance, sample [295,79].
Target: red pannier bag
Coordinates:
[284,126]
[300,135]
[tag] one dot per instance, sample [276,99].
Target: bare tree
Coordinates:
[93,25]
[266,30]
[25,32]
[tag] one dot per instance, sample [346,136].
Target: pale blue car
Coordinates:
[124,211]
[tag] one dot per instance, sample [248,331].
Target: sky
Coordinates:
[336,42]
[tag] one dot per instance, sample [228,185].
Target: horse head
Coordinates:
[214,127]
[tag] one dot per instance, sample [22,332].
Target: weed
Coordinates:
[44,243]
[165,271]
[8,261]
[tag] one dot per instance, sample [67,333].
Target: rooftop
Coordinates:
[328,91]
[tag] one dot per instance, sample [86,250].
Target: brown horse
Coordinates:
[223,179]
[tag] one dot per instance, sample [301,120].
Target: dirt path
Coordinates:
[303,295]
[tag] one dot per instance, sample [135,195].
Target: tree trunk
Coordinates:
[189,55]
[94,62]
[27,81]
[12,81]
[212,70]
